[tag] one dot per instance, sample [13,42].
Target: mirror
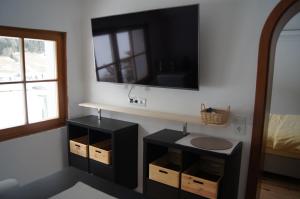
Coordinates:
[281,173]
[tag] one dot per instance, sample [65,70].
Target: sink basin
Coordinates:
[211,143]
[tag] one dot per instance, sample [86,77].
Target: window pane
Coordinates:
[141,66]
[12,105]
[103,50]
[127,70]
[107,74]
[40,59]
[138,41]
[124,44]
[10,59]
[42,101]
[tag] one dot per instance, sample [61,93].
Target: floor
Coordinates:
[278,187]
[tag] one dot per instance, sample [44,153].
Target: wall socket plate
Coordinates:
[239,124]
[140,101]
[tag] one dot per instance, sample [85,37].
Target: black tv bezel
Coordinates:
[139,12]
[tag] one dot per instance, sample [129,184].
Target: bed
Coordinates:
[282,153]
[61,181]
[284,136]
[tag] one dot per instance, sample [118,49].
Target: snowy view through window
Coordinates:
[39,65]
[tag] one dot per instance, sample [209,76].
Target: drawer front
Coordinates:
[78,148]
[100,155]
[199,186]
[163,175]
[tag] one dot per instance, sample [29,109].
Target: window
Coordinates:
[32,81]
[121,56]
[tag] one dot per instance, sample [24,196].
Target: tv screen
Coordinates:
[155,48]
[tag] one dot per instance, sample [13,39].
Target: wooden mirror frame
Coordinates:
[276,21]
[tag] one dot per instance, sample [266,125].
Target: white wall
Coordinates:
[294,23]
[286,82]
[229,38]
[35,156]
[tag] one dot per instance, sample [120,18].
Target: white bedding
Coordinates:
[284,135]
[82,191]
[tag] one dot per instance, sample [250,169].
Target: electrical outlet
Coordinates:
[138,101]
[239,125]
[142,101]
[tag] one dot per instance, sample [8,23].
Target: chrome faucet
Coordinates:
[99,114]
[184,129]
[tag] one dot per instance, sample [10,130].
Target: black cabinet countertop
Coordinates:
[165,136]
[105,124]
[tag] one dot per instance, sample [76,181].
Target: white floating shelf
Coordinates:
[148,113]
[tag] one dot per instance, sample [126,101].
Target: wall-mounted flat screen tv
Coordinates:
[155,48]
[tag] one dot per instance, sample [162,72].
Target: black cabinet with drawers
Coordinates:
[197,174]
[116,159]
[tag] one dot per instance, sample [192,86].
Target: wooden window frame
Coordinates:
[60,39]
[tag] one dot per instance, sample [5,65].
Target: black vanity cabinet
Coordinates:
[116,157]
[159,144]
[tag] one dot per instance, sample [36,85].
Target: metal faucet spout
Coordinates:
[184,129]
[99,114]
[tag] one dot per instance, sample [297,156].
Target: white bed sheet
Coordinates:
[82,191]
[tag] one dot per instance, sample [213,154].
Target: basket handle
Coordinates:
[202,107]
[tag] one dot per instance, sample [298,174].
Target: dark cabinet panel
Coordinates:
[156,190]
[102,170]
[187,195]
[78,162]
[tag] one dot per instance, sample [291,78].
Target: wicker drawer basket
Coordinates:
[166,170]
[79,146]
[101,151]
[214,116]
[200,183]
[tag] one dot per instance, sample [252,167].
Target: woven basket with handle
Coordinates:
[214,116]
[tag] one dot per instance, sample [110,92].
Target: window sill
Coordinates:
[29,129]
